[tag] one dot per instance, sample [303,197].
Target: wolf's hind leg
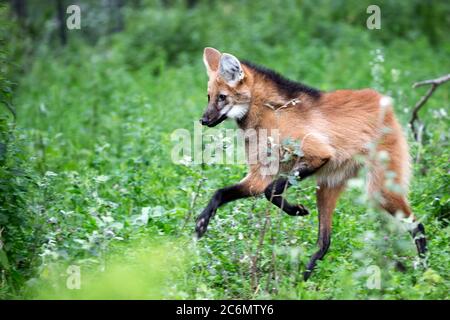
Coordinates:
[395,203]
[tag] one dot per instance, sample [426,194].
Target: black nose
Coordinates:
[204,121]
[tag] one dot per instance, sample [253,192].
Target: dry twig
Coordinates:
[415,114]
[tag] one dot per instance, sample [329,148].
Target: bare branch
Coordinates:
[415,113]
[192,205]
[437,81]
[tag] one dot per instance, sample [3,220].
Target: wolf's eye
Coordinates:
[209,98]
[222,97]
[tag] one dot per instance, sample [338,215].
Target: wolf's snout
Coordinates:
[204,121]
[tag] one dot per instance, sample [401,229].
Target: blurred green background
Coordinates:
[85,167]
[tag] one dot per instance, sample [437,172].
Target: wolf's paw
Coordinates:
[201,225]
[297,210]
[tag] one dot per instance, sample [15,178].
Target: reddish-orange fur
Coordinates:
[339,131]
[350,120]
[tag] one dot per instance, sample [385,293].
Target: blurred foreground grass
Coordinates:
[138,270]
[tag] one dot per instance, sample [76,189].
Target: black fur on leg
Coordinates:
[324,245]
[274,193]
[219,198]
[418,233]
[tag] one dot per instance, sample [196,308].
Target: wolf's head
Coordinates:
[228,90]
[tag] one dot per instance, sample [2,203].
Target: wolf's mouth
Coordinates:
[217,121]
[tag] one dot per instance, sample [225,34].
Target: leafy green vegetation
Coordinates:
[86,175]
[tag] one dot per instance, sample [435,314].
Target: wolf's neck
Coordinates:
[274,83]
[271,92]
[266,98]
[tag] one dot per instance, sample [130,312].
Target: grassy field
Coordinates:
[92,182]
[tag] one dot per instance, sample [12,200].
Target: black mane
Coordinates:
[291,89]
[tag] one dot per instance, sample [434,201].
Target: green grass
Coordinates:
[140,270]
[95,125]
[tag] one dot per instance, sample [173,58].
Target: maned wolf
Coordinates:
[336,130]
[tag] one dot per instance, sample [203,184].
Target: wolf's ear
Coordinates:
[211,59]
[230,69]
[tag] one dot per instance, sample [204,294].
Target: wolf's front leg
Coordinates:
[274,193]
[219,198]
[252,185]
